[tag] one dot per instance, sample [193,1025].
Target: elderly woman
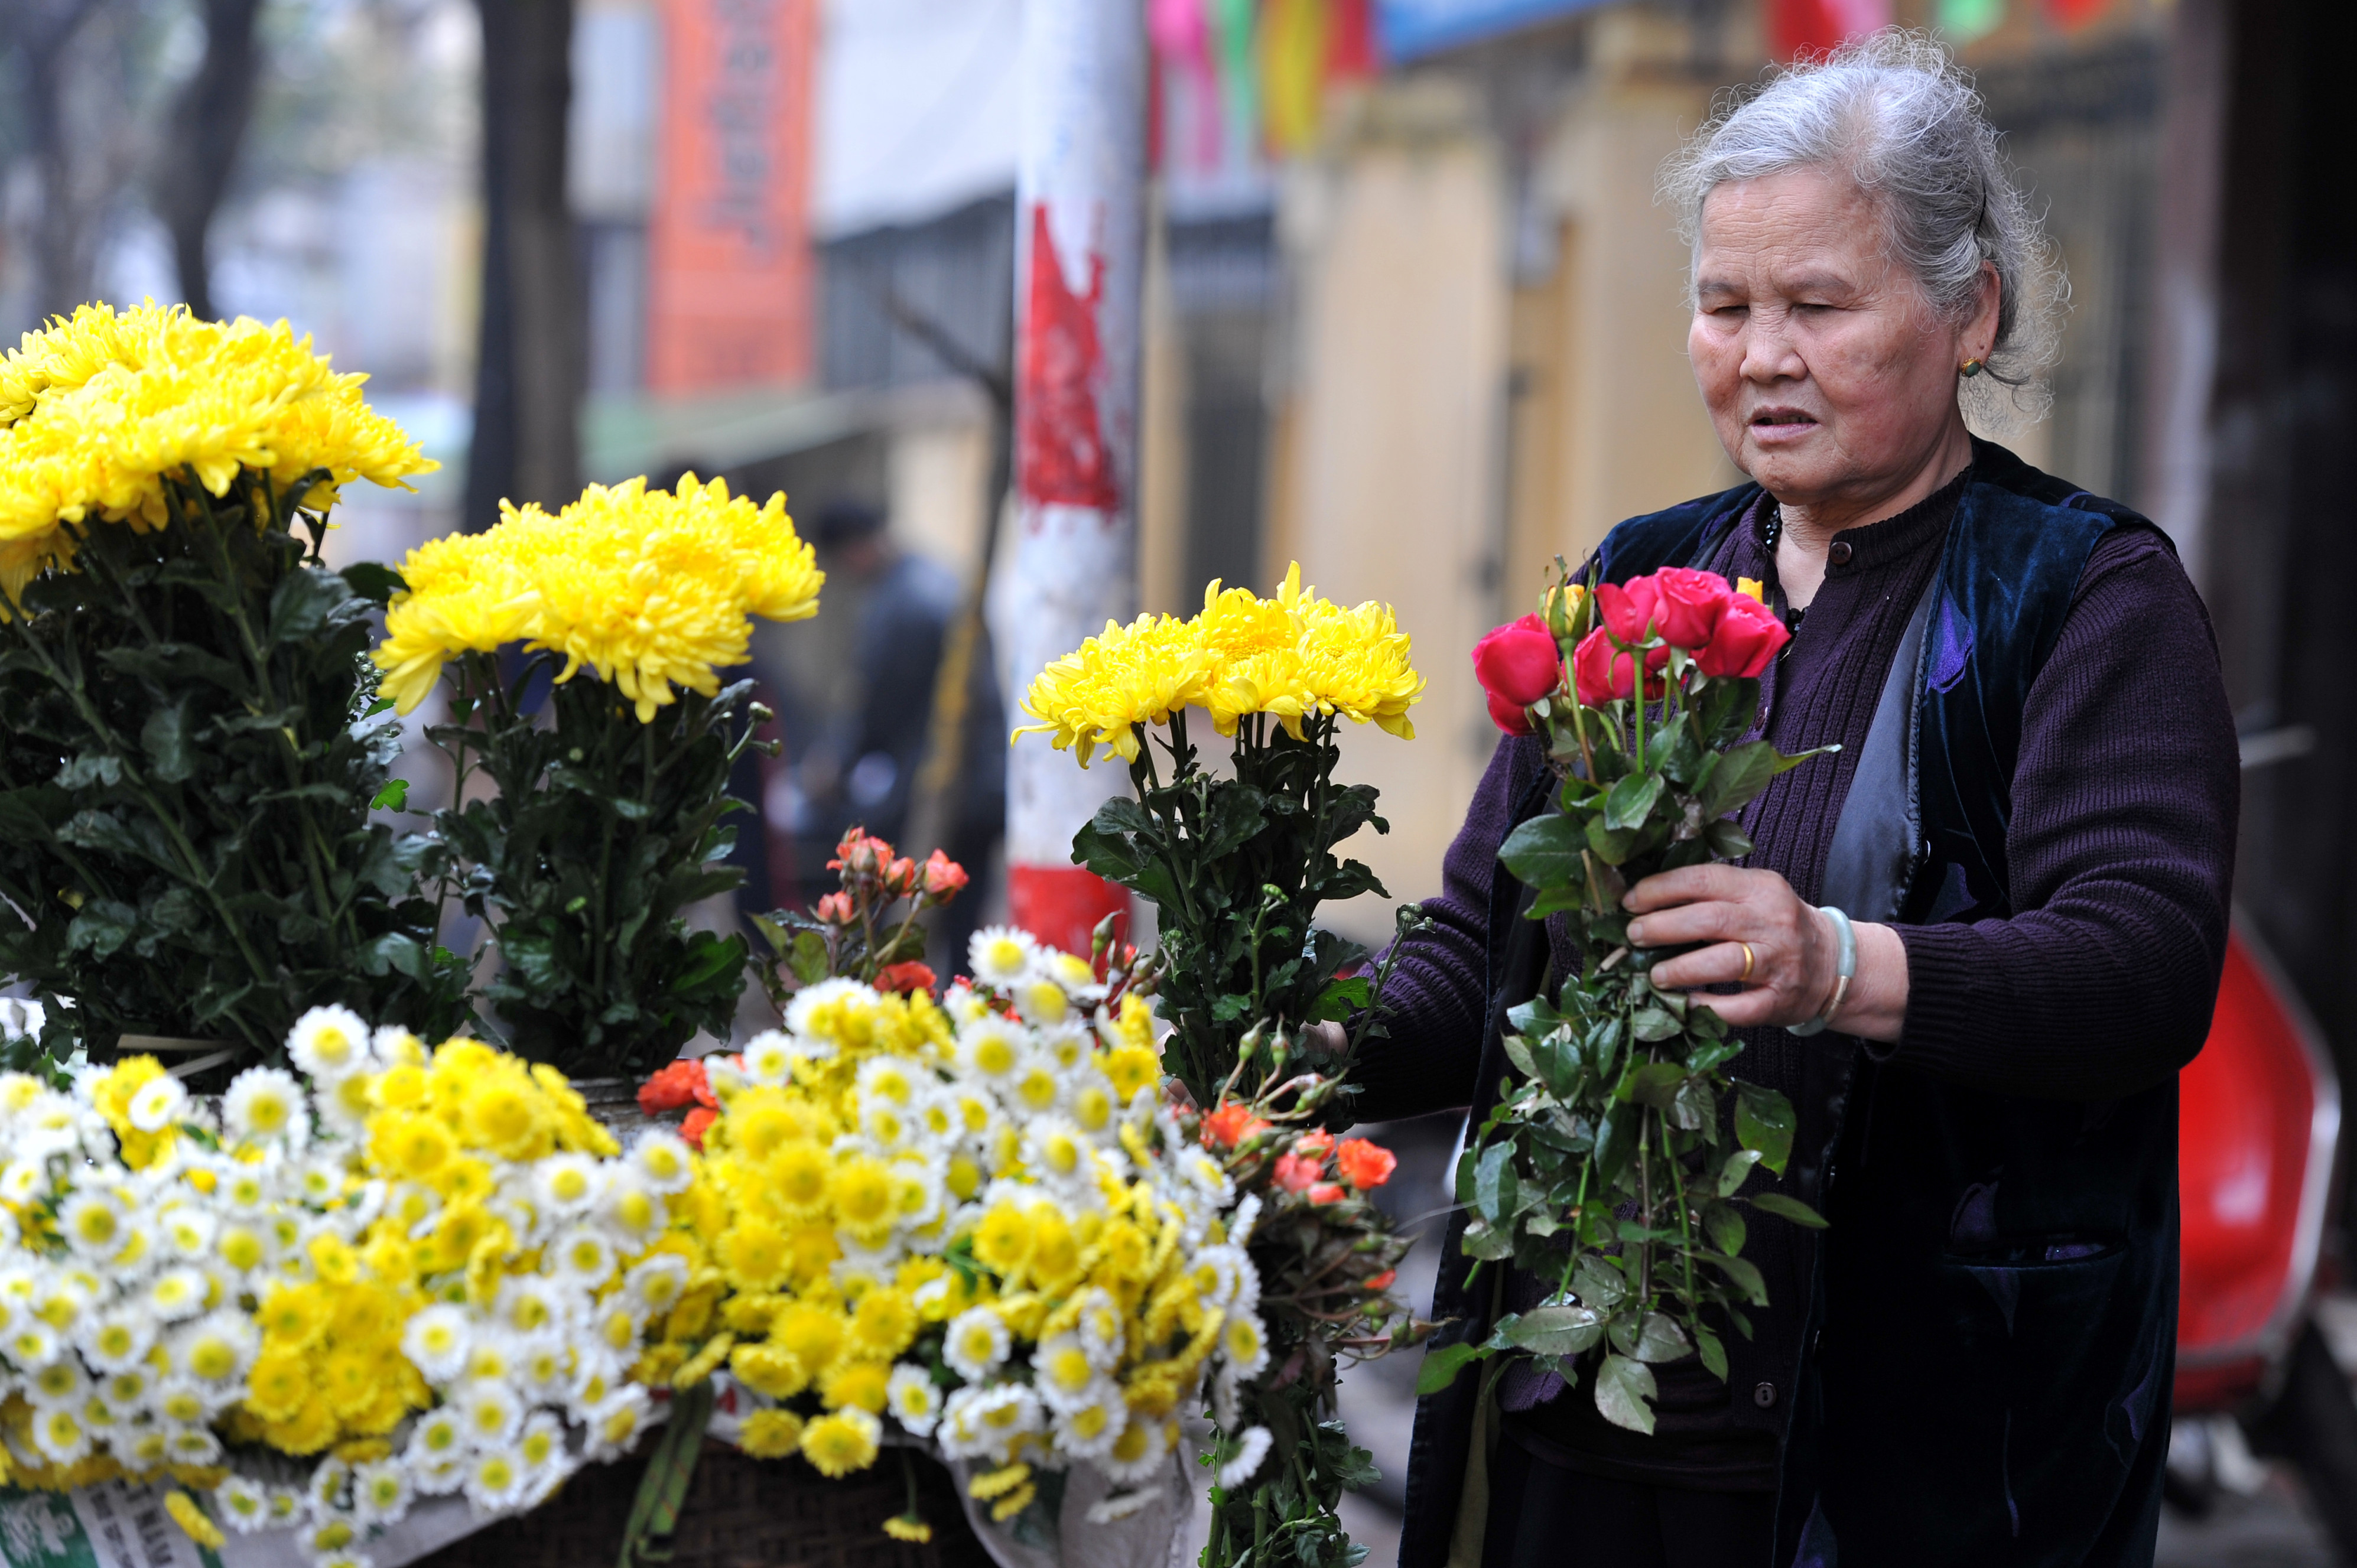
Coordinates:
[2031,823]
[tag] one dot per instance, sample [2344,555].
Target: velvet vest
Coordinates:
[1981,1375]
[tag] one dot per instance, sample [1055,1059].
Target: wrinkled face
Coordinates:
[1829,373]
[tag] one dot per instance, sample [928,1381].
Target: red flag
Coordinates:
[1796,27]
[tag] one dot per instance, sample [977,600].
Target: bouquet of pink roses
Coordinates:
[1605,1169]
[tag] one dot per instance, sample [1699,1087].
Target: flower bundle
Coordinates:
[1608,1169]
[1324,1260]
[110,416]
[867,929]
[1236,867]
[185,777]
[973,1220]
[645,588]
[414,1276]
[605,824]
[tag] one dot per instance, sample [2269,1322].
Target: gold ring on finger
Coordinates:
[1745,978]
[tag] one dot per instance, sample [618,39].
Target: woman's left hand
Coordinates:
[1763,938]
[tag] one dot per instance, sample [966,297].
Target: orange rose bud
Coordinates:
[909,976]
[1364,1164]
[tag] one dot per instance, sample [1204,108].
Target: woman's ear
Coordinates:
[1980,334]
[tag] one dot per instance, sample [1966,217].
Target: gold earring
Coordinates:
[1971,368]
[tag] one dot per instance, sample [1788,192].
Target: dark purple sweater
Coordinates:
[2120,845]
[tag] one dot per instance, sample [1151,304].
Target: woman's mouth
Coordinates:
[1779,425]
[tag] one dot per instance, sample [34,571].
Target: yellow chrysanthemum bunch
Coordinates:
[1291,657]
[972,1220]
[648,588]
[98,409]
[416,1273]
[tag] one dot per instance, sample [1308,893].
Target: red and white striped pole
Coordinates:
[1080,195]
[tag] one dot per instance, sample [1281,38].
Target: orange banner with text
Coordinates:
[729,260]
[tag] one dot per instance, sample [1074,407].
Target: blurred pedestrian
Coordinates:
[862,764]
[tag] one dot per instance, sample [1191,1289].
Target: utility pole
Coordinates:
[1080,239]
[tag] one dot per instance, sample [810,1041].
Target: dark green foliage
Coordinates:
[602,831]
[186,777]
[1236,868]
[1613,1166]
[1285,1512]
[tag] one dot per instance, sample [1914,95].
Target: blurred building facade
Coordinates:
[1430,253]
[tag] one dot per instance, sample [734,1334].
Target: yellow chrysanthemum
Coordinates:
[649,589]
[1126,676]
[1288,657]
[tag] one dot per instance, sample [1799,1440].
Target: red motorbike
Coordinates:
[2258,1146]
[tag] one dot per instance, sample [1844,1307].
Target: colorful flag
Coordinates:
[1796,27]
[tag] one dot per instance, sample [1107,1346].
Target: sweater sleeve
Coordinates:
[1433,1008]
[2121,848]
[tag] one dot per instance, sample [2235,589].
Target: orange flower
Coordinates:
[1231,1125]
[909,976]
[1382,1281]
[1314,1145]
[1295,1174]
[1365,1165]
[699,1122]
[1325,1192]
[681,1083]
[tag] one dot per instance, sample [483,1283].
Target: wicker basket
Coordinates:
[740,1513]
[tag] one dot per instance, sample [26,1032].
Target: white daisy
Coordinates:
[1064,1372]
[564,1184]
[61,1382]
[654,1284]
[266,1105]
[1251,1448]
[615,1423]
[490,1410]
[1099,1327]
[382,1492]
[178,1293]
[94,1224]
[1006,1414]
[157,1104]
[119,1340]
[769,1059]
[436,1341]
[1243,1342]
[191,1446]
[663,1160]
[60,1435]
[994,1048]
[1060,1154]
[582,1256]
[976,1343]
[329,1043]
[809,1000]
[242,1504]
[1075,973]
[913,1399]
[496,1479]
[1137,1451]
[1086,1430]
[1241,1223]
[217,1348]
[963,1005]
[188,1231]
[437,1441]
[1001,955]
[1225,1277]
[33,1344]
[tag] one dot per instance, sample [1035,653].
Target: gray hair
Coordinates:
[1893,112]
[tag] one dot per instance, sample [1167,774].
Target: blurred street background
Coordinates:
[1412,318]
